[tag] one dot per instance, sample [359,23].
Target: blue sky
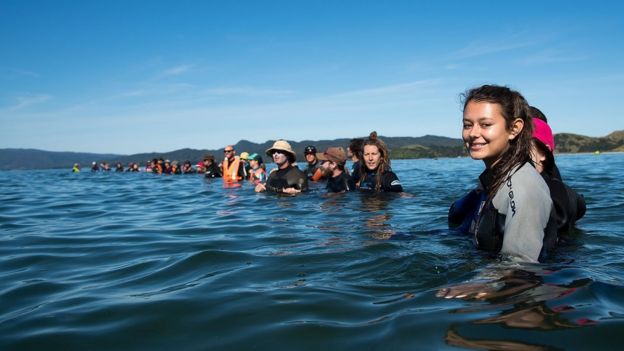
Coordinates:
[141,76]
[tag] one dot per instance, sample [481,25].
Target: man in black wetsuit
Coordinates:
[286,178]
[333,165]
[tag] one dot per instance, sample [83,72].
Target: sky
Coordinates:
[156,76]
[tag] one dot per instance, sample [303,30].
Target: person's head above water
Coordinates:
[283,148]
[310,154]
[497,129]
[375,154]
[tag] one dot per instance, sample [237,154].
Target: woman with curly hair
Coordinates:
[375,172]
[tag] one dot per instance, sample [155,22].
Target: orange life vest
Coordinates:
[230,171]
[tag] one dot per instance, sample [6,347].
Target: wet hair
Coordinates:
[384,160]
[513,105]
[356,145]
[536,113]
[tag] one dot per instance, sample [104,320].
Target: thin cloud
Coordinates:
[176,70]
[24,73]
[551,56]
[23,102]
[247,91]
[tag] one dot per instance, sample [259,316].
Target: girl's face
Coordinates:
[372,156]
[537,156]
[485,131]
[253,163]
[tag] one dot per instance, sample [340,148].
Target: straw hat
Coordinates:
[282,145]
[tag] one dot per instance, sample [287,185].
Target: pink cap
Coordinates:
[543,133]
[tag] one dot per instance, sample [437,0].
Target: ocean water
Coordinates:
[135,261]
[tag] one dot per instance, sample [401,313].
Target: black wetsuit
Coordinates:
[311,169]
[569,205]
[389,182]
[340,183]
[213,171]
[289,177]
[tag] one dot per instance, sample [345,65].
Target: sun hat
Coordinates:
[543,133]
[282,145]
[333,154]
[244,155]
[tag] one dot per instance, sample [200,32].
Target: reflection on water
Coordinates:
[138,261]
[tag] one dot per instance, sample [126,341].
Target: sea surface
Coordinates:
[136,261]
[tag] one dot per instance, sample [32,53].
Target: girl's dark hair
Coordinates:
[384,161]
[355,145]
[513,106]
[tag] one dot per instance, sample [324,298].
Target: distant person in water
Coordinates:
[76,168]
[375,172]
[313,169]
[286,178]
[94,167]
[119,167]
[232,168]
[210,169]
[333,166]
[569,206]
[511,212]
[187,168]
[354,153]
[257,171]
[148,166]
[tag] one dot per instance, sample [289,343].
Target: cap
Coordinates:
[543,133]
[333,154]
[244,155]
[309,150]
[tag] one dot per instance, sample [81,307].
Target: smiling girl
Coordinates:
[511,210]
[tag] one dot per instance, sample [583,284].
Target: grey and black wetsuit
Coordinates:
[519,220]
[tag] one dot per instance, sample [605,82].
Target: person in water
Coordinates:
[76,168]
[233,169]
[569,205]
[187,168]
[513,213]
[313,170]
[375,172]
[354,152]
[286,178]
[257,171]
[209,168]
[333,166]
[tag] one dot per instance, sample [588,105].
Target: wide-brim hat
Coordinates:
[282,145]
[333,154]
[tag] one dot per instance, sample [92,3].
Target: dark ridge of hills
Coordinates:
[428,146]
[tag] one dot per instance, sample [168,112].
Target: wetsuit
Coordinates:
[569,205]
[212,171]
[389,182]
[340,183]
[519,220]
[355,172]
[289,177]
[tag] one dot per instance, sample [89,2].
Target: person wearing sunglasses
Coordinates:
[286,178]
[233,169]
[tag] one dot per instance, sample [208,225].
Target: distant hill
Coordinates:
[566,142]
[428,146]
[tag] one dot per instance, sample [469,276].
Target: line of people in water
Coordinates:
[520,207]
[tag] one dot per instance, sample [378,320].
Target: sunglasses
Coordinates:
[226,151]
